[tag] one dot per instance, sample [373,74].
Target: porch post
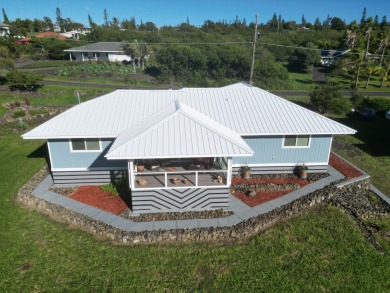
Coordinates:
[82,56]
[70,56]
[229,171]
[131,173]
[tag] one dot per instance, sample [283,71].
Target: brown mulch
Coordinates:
[94,196]
[343,167]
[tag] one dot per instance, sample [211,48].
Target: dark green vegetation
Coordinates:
[219,53]
[321,250]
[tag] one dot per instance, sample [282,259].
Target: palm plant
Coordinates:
[371,68]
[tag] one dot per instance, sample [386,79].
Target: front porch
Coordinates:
[179,173]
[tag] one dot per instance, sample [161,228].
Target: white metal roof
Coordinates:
[178,131]
[246,110]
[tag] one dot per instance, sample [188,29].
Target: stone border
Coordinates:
[244,223]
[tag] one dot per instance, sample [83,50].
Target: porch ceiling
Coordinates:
[178,131]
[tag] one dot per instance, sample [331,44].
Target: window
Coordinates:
[87,144]
[296,141]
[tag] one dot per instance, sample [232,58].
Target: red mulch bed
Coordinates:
[94,196]
[262,197]
[343,167]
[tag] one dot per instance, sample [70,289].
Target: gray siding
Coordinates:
[269,150]
[173,200]
[75,178]
[62,157]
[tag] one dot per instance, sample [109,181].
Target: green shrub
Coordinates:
[98,69]
[23,81]
[329,99]
[19,113]
[111,188]
[38,112]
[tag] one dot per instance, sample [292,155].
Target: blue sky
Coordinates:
[173,12]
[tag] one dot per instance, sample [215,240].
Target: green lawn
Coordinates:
[53,95]
[49,64]
[373,86]
[321,250]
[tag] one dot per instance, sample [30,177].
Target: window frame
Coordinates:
[85,150]
[296,141]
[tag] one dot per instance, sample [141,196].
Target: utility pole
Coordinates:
[253,53]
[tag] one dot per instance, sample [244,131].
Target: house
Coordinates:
[101,51]
[178,149]
[4,29]
[328,56]
[75,34]
[27,40]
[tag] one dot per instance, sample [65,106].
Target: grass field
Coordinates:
[321,250]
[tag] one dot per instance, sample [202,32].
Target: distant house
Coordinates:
[102,51]
[4,29]
[27,40]
[75,34]
[328,56]
[178,149]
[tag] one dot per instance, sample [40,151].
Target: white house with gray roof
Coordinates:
[179,149]
[101,51]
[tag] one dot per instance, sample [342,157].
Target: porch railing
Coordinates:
[184,179]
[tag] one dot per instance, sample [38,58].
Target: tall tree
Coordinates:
[48,23]
[59,16]
[317,24]
[367,32]
[303,21]
[106,20]
[5,17]
[363,19]
[370,68]
[91,23]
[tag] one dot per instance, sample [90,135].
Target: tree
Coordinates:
[363,19]
[384,72]
[91,22]
[6,20]
[23,81]
[106,20]
[6,61]
[370,68]
[317,24]
[329,99]
[59,17]
[302,59]
[337,24]
[303,21]
[354,63]
[48,23]
[138,51]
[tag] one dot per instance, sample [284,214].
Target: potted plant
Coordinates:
[303,171]
[246,174]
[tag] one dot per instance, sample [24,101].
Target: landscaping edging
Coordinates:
[185,230]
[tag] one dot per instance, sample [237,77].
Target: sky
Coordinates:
[174,12]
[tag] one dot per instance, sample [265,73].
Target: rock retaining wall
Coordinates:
[240,231]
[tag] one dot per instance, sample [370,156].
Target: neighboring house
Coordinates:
[4,29]
[75,34]
[328,56]
[57,28]
[102,51]
[27,40]
[201,136]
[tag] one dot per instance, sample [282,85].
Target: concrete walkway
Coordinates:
[241,211]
